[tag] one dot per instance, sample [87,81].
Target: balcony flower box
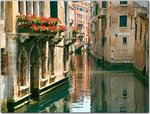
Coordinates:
[38,24]
[37,20]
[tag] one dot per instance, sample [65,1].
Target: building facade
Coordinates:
[112,31]
[81,20]
[141,47]
[31,63]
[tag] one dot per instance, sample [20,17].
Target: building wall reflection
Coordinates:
[117,91]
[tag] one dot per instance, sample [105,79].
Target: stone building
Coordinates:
[141,47]
[81,20]
[31,64]
[112,31]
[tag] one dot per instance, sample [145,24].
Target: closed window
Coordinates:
[124,40]
[97,9]
[104,4]
[123,21]
[123,2]
[54,8]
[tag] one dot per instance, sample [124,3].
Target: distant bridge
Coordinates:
[79,46]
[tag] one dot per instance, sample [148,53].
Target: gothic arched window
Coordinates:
[23,68]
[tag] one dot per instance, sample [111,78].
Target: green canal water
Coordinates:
[93,88]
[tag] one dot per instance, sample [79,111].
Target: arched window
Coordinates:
[51,60]
[23,68]
[44,62]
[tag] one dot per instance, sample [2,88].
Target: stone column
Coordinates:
[22,7]
[47,54]
[47,8]
[36,8]
[61,13]
[41,8]
[11,13]
[29,7]
[12,67]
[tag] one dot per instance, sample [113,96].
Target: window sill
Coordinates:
[53,76]
[44,79]
[123,27]
[123,4]
[23,88]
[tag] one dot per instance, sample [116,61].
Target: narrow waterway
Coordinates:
[93,89]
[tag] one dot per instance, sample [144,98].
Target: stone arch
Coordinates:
[35,46]
[23,67]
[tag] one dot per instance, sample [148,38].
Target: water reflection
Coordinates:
[93,89]
[80,96]
[117,91]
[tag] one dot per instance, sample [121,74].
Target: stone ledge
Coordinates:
[44,79]
[21,88]
[15,104]
[53,76]
[52,86]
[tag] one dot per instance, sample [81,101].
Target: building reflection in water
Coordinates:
[117,91]
[93,89]
[80,97]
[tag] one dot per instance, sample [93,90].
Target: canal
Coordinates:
[92,88]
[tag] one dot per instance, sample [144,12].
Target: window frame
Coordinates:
[123,3]
[104,4]
[126,40]
[54,5]
[122,26]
